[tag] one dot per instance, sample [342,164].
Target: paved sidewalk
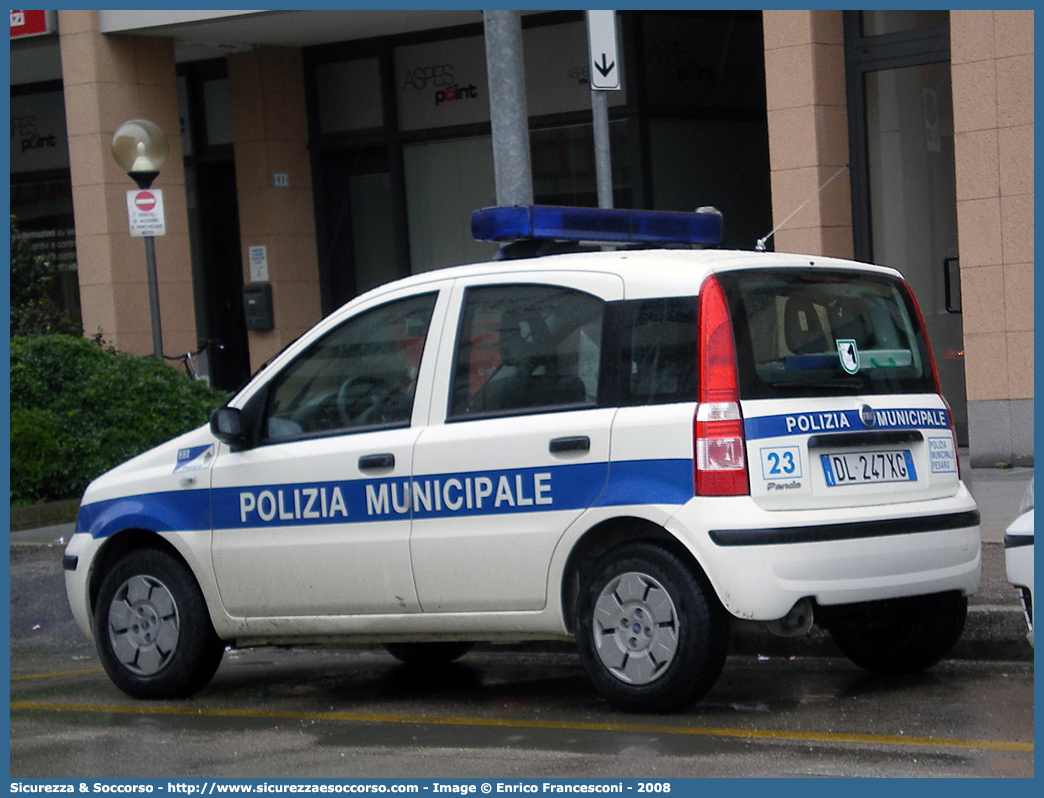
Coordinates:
[998,492]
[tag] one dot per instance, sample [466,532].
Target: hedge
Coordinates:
[79,409]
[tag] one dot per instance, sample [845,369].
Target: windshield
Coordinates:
[825,333]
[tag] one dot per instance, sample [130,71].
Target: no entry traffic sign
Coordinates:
[144,201]
[145,213]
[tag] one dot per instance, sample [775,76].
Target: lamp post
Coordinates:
[140,148]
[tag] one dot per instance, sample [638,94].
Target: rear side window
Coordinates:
[526,348]
[658,351]
[816,333]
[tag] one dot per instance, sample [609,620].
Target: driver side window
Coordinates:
[361,375]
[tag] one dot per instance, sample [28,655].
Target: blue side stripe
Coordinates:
[649,482]
[523,490]
[520,490]
[171,511]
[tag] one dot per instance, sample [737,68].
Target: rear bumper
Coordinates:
[762,563]
[851,530]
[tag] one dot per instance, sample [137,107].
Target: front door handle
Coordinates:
[372,462]
[574,443]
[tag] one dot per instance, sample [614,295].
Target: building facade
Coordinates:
[321,153]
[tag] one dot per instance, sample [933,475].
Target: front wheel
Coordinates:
[650,630]
[901,635]
[152,628]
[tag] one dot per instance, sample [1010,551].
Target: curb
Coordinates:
[990,633]
[994,633]
[39,515]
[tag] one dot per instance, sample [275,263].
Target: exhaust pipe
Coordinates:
[795,623]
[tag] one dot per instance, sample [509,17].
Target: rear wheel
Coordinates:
[650,632]
[436,653]
[152,628]
[902,635]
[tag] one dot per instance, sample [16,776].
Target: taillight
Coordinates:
[718,440]
[935,374]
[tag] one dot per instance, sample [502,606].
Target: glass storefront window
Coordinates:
[717,162]
[564,165]
[217,106]
[41,189]
[711,60]
[442,83]
[372,230]
[349,95]
[913,202]
[880,23]
[557,73]
[43,211]
[689,129]
[445,182]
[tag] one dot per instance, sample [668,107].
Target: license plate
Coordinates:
[861,468]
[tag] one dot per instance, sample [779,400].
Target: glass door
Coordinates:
[358,223]
[904,185]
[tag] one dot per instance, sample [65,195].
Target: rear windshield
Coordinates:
[825,333]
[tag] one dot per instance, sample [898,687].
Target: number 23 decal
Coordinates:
[781,463]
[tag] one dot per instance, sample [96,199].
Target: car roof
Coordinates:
[644,272]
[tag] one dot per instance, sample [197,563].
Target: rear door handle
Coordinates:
[574,443]
[372,462]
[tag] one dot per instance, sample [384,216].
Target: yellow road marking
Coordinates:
[521,723]
[55,675]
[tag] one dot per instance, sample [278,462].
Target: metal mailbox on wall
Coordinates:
[257,307]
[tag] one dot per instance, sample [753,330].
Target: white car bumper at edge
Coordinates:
[1018,557]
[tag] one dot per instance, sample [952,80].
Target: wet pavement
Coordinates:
[498,713]
[781,707]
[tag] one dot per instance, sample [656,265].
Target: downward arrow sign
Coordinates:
[602,52]
[603,67]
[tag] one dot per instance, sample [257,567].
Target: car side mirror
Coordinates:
[226,424]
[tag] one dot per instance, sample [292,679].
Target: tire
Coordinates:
[428,653]
[152,628]
[676,630]
[899,636]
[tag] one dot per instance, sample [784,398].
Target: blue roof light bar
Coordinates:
[605,225]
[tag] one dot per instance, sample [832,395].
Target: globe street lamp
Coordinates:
[140,148]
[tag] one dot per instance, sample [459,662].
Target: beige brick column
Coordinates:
[271,136]
[109,80]
[992,69]
[808,131]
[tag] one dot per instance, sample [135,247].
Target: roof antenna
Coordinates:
[760,246]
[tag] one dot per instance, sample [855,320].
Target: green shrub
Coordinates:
[78,409]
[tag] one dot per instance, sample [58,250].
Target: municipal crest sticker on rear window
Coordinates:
[849,354]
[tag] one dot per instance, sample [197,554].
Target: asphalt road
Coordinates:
[497,714]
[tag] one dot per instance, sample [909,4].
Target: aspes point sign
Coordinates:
[145,213]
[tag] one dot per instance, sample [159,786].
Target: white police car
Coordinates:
[1018,556]
[631,448]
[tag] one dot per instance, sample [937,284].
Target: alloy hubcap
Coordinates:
[143,625]
[635,628]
